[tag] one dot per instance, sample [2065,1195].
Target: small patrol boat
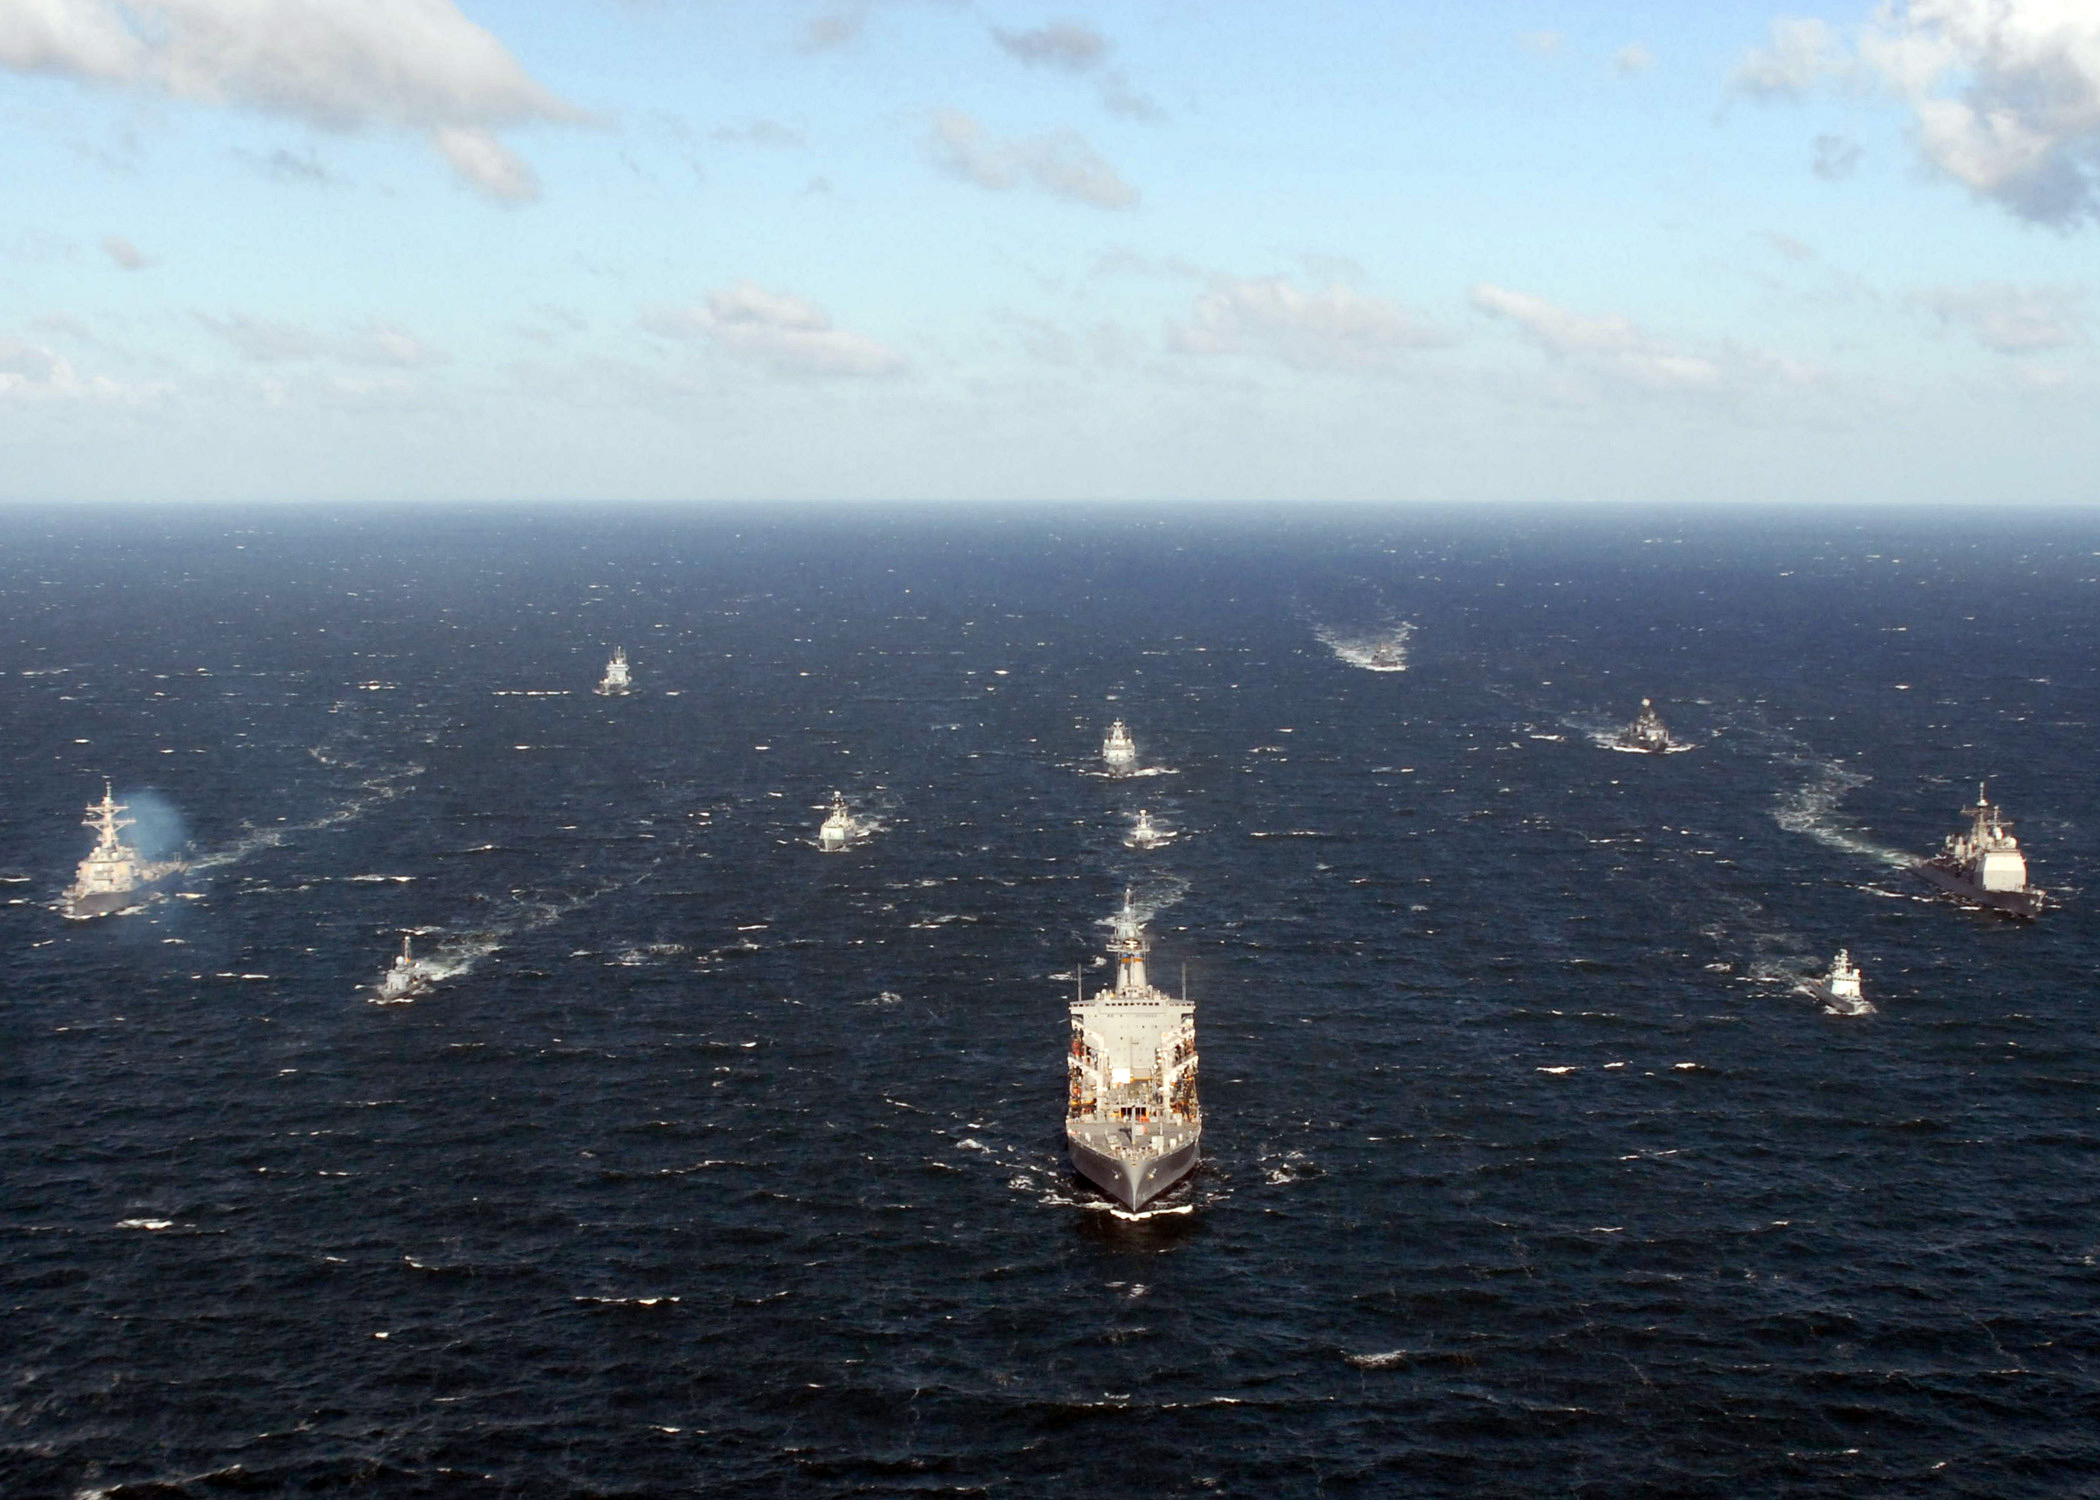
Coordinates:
[618,681]
[837,831]
[1839,990]
[1983,866]
[115,877]
[1119,750]
[409,978]
[1646,732]
[1133,1123]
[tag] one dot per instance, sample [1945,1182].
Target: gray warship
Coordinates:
[617,681]
[1983,866]
[115,877]
[408,979]
[1146,834]
[1646,732]
[1119,750]
[1132,1119]
[835,834]
[1840,990]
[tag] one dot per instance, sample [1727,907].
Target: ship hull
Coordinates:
[86,908]
[2021,906]
[1134,1183]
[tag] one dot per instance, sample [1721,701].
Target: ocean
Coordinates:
[713,1165]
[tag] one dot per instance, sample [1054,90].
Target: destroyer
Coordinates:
[1132,1119]
[1119,750]
[409,979]
[837,830]
[617,682]
[115,877]
[1646,732]
[1984,866]
[1839,990]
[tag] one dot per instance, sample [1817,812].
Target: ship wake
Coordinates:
[1811,809]
[1381,650]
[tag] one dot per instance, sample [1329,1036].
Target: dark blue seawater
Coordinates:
[717,1166]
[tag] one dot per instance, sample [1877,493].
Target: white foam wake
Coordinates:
[1811,809]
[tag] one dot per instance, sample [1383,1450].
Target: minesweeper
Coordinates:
[837,830]
[115,877]
[1984,866]
[409,979]
[618,681]
[1646,732]
[1119,750]
[1132,1119]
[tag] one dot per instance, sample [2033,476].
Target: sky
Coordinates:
[667,250]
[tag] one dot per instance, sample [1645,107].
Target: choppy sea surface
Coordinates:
[715,1165]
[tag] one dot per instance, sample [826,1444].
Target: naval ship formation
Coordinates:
[1132,1120]
[115,877]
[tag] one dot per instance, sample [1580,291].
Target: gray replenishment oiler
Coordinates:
[617,681]
[1119,750]
[115,877]
[1646,732]
[1132,1118]
[1983,866]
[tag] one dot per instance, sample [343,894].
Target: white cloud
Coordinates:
[32,372]
[1544,43]
[416,65]
[1334,328]
[2004,95]
[2008,319]
[1063,165]
[269,342]
[1633,58]
[1837,157]
[1804,52]
[1614,348]
[786,334]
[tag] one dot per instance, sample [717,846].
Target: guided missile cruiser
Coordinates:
[115,877]
[1119,750]
[1132,1119]
[1984,866]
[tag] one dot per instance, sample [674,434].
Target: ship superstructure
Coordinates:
[1646,732]
[410,978]
[1133,1122]
[1119,750]
[618,680]
[1983,864]
[1840,990]
[837,830]
[114,877]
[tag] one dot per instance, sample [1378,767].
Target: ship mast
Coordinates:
[102,817]
[1130,947]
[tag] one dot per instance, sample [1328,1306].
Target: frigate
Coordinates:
[408,979]
[837,830]
[1646,732]
[617,680]
[1132,1120]
[1983,865]
[1840,990]
[1119,750]
[1145,834]
[115,877]
[1386,656]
